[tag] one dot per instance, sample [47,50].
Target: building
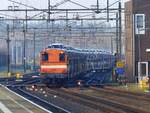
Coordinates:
[137,26]
[3,54]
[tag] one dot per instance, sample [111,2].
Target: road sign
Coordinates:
[120,71]
[120,64]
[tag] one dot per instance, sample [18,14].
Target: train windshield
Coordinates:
[62,57]
[45,57]
[57,46]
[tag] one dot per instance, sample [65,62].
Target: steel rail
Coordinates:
[47,105]
[114,104]
[121,94]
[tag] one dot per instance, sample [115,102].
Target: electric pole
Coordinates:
[97,11]
[120,32]
[117,37]
[34,51]
[24,51]
[107,10]
[49,9]
[8,47]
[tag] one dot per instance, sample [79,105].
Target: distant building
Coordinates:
[3,54]
[137,26]
[16,52]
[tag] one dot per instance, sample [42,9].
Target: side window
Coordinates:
[45,57]
[62,57]
[140,23]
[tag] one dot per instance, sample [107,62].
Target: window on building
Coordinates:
[140,23]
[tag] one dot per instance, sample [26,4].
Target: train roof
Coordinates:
[77,50]
[56,45]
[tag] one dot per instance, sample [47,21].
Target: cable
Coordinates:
[103,8]
[9,16]
[57,4]
[23,4]
[78,4]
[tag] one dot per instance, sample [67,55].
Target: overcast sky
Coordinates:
[43,3]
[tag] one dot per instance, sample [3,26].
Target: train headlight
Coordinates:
[79,83]
[33,86]
[55,96]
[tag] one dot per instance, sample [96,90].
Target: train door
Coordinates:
[142,71]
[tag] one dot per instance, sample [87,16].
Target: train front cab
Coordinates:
[53,66]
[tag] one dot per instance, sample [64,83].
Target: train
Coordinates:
[59,63]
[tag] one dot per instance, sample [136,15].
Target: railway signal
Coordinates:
[120,64]
[120,72]
[120,67]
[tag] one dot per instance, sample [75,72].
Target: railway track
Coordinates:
[107,100]
[19,88]
[111,101]
[14,80]
[84,101]
[126,94]
[49,106]
[140,101]
[99,103]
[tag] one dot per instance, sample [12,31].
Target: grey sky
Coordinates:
[43,3]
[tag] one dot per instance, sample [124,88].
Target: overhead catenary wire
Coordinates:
[87,15]
[56,5]
[103,8]
[23,4]
[78,4]
[75,29]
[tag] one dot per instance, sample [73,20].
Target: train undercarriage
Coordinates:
[63,80]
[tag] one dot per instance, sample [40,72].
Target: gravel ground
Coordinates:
[142,104]
[66,104]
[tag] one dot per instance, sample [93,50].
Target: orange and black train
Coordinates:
[61,62]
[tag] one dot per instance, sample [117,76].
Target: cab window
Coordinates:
[62,57]
[45,57]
